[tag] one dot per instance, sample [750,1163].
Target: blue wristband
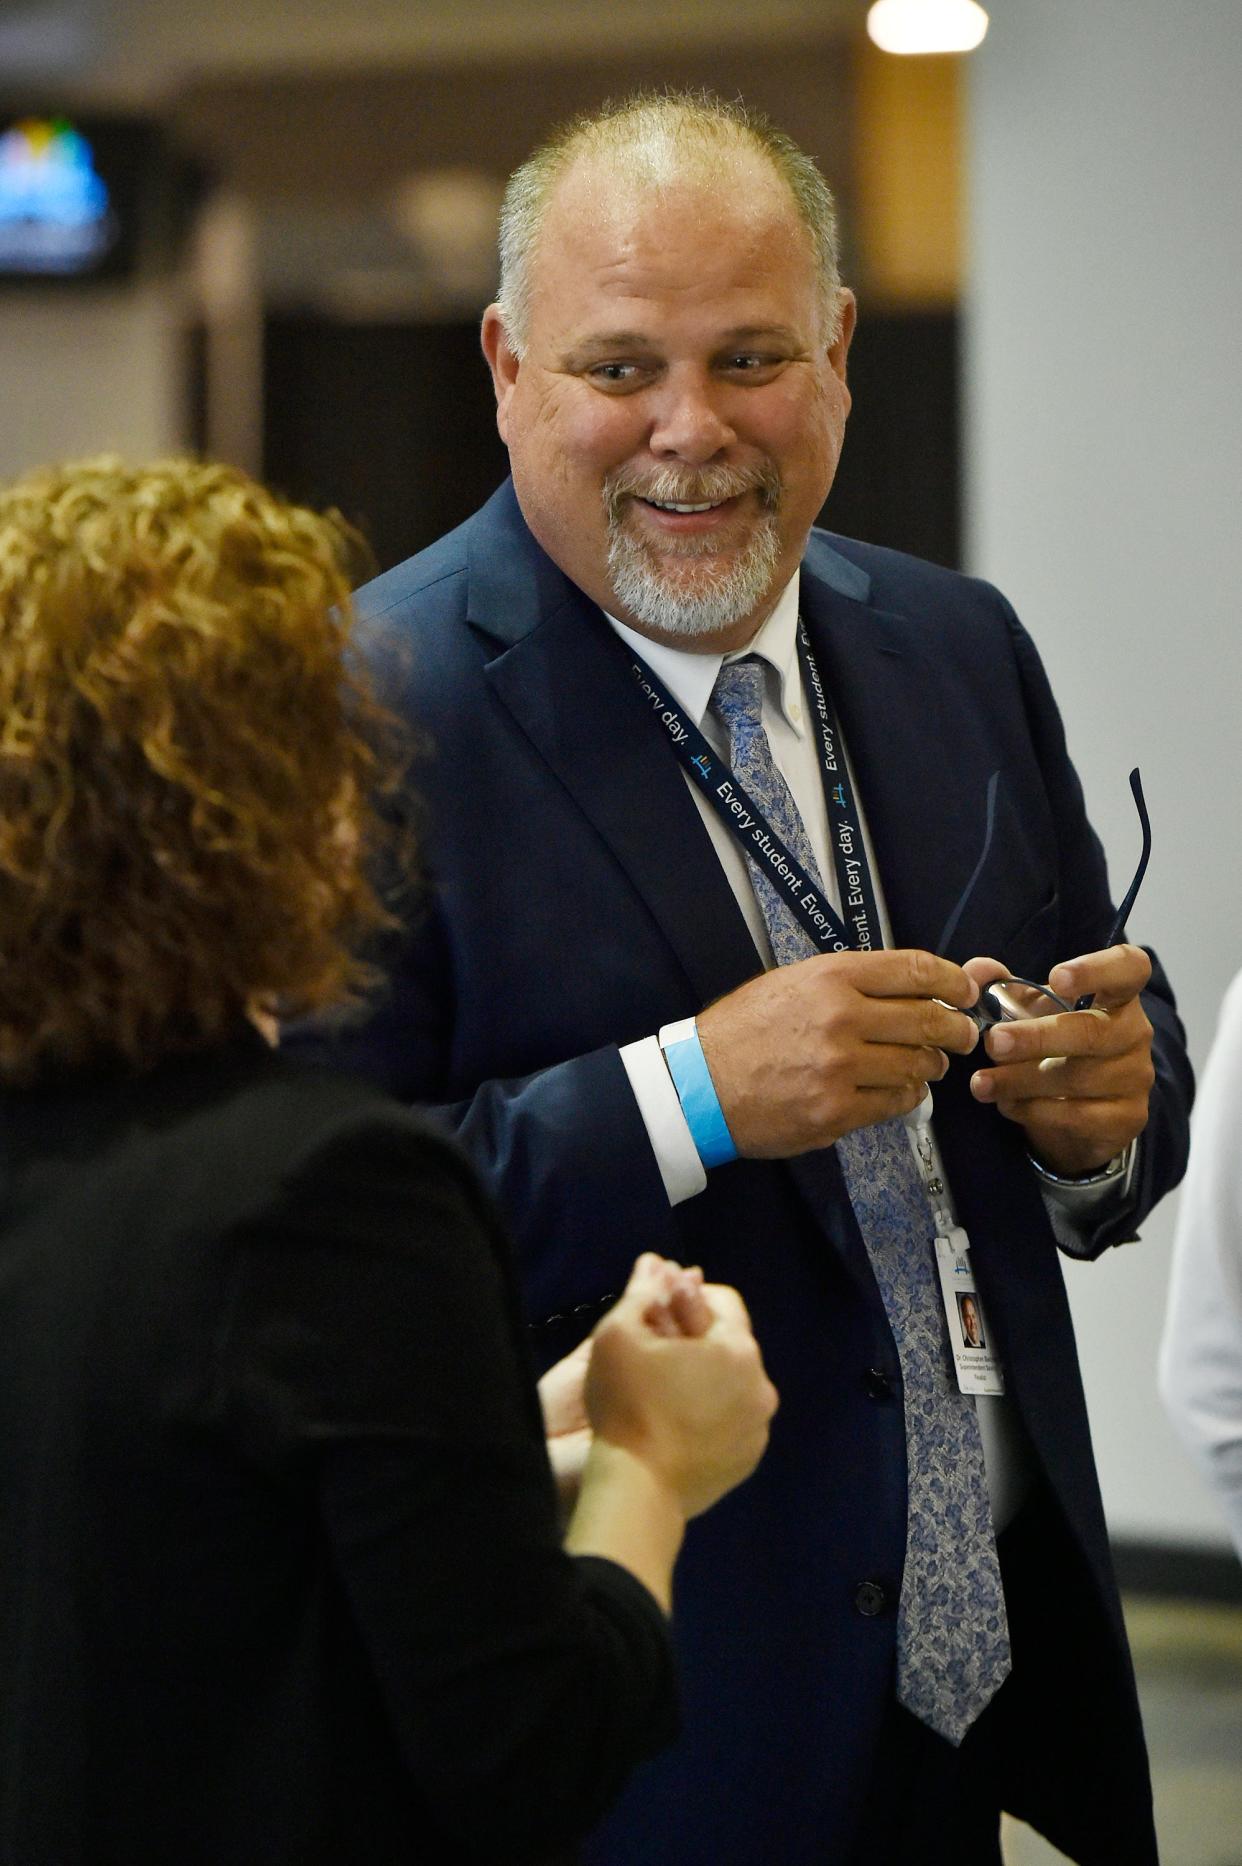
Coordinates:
[699,1102]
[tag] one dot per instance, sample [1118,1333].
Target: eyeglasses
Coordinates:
[996,1003]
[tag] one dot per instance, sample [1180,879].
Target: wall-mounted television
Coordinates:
[86,197]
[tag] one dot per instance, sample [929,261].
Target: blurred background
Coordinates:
[278,241]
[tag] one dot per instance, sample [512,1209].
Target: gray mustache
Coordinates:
[709,486]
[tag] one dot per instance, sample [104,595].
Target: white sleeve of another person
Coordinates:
[1201,1353]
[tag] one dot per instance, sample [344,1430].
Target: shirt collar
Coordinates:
[689,677]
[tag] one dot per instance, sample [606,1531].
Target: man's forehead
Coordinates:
[609,192]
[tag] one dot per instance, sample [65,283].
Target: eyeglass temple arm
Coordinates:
[1123,912]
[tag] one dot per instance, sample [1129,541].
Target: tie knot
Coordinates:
[737,696]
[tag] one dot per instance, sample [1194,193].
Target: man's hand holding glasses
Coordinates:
[1071,1060]
[1076,1081]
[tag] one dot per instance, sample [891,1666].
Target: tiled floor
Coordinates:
[1188,1657]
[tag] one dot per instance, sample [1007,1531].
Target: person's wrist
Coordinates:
[610,1462]
[567,1454]
[629,1511]
[696,1092]
[1114,1169]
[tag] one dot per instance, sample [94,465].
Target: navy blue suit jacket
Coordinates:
[576,904]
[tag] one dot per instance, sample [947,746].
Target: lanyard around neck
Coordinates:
[859,930]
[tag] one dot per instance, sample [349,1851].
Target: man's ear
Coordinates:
[503,363]
[839,348]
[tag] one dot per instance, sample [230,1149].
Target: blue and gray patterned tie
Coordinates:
[952,1633]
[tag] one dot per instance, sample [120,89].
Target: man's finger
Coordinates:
[908,972]
[896,972]
[1065,1078]
[1070,1033]
[924,1022]
[1112,977]
[985,971]
[1114,1120]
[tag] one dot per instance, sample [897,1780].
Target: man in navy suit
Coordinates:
[589,991]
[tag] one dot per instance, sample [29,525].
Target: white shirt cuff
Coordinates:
[676,1155]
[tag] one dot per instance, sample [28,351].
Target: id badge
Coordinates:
[978,1369]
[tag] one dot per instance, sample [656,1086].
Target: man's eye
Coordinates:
[750,363]
[613,375]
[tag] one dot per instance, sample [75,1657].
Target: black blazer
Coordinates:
[577,905]
[281,1576]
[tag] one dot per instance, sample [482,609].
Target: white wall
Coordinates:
[88,372]
[1103,364]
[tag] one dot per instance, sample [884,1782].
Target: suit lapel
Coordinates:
[899,704]
[565,678]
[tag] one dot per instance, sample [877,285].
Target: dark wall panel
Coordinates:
[899,482]
[393,423]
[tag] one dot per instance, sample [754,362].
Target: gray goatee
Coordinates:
[711,596]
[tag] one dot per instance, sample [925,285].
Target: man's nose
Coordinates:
[691,423]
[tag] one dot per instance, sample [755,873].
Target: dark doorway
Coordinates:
[899,482]
[395,424]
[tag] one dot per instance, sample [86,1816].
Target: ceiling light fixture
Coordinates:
[927,25]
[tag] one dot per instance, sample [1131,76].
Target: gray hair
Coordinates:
[651,128]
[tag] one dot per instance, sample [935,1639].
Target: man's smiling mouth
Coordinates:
[669,505]
[687,508]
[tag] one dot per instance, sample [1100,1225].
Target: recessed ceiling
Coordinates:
[132,49]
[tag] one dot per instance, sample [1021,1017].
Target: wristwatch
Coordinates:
[1117,1168]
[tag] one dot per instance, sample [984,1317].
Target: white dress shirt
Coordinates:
[1201,1354]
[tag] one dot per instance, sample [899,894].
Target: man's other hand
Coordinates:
[1077,1082]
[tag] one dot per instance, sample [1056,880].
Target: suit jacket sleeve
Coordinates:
[372,1351]
[1086,911]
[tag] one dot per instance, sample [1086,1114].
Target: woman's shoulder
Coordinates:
[276,1120]
[206,1141]
[311,1101]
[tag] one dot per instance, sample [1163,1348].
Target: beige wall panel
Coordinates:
[908,178]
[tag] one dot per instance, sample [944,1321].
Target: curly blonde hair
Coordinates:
[192,774]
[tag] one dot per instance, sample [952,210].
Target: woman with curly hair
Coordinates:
[281,1578]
